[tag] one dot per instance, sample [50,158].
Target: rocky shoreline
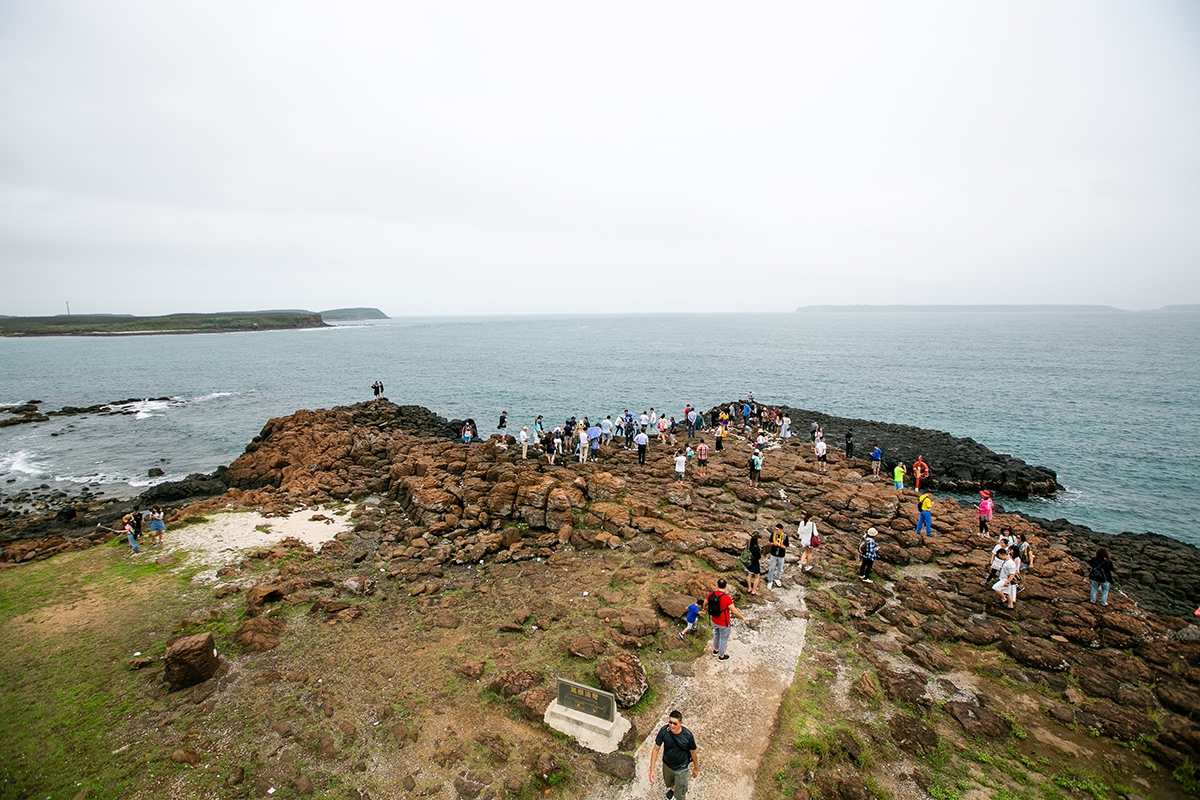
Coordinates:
[1157,571]
[456,554]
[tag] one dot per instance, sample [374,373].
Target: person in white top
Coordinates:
[806,533]
[822,458]
[645,420]
[523,438]
[680,465]
[642,441]
[1006,587]
[785,428]
[583,445]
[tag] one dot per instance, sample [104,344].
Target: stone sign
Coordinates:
[586,700]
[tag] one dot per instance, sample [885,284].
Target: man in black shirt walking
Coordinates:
[678,748]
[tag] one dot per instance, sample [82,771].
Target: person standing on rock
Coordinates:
[756,462]
[1101,575]
[680,465]
[876,460]
[642,441]
[822,454]
[925,513]
[778,551]
[550,446]
[785,427]
[466,433]
[678,748]
[849,445]
[986,507]
[753,564]
[807,534]
[719,438]
[523,438]
[920,470]
[702,458]
[503,426]
[898,476]
[157,525]
[720,606]
[869,551]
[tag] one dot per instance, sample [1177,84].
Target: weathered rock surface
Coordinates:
[190,659]
[624,676]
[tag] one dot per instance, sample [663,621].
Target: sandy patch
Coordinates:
[226,537]
[730,706]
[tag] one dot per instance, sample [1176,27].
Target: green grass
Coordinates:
[104,324]
[1083,781]
[64,682]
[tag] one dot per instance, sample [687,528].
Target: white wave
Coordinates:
[213,396]
[23,462]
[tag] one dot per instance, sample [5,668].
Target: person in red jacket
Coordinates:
[920,470]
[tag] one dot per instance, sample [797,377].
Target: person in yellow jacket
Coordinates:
[925,513]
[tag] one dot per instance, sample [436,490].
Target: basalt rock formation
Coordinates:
[438,505]
[956,464]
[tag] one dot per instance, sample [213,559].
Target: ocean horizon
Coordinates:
[1106,400]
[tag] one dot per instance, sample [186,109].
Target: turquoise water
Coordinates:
[1109,401]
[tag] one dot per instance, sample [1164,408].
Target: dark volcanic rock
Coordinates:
[955,464]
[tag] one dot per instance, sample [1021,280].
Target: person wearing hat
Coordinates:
[986,507]
[130,533]
[869,552]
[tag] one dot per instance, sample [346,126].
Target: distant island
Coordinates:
[352,314]
[115,325]
[993,308]
[222,322]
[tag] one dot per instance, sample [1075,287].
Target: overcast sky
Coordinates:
[441,158]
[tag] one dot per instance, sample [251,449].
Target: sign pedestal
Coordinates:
[591,732]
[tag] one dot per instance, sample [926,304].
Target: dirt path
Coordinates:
[730,706]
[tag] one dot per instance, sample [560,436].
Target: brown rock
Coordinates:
[514,682]
[532,704]
[185,757]
[260,595]
[674,605]
[866,686]
[912,735]
[588,647]
[258,634]
[190,659]
[928,657]
[624,676]
[471,670]
[445,618]
[1036,653]
[718,560]
[639,621]
[977,721]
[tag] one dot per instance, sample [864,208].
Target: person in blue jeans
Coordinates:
[925,517]
[131,534]
[1101,575]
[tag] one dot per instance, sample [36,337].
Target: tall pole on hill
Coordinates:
[68,308]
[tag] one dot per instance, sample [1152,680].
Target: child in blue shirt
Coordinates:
[693,614]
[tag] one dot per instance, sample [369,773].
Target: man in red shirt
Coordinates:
[721,602]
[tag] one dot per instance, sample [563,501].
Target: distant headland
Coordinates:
[222,322]
[1045,309]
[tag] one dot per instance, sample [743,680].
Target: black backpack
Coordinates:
[1098,574]
[714,603]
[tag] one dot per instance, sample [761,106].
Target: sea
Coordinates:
[1109,400]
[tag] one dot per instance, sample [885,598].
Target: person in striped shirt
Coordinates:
[701,458]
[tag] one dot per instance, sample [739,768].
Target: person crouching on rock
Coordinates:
[869,552]
[1006,586]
